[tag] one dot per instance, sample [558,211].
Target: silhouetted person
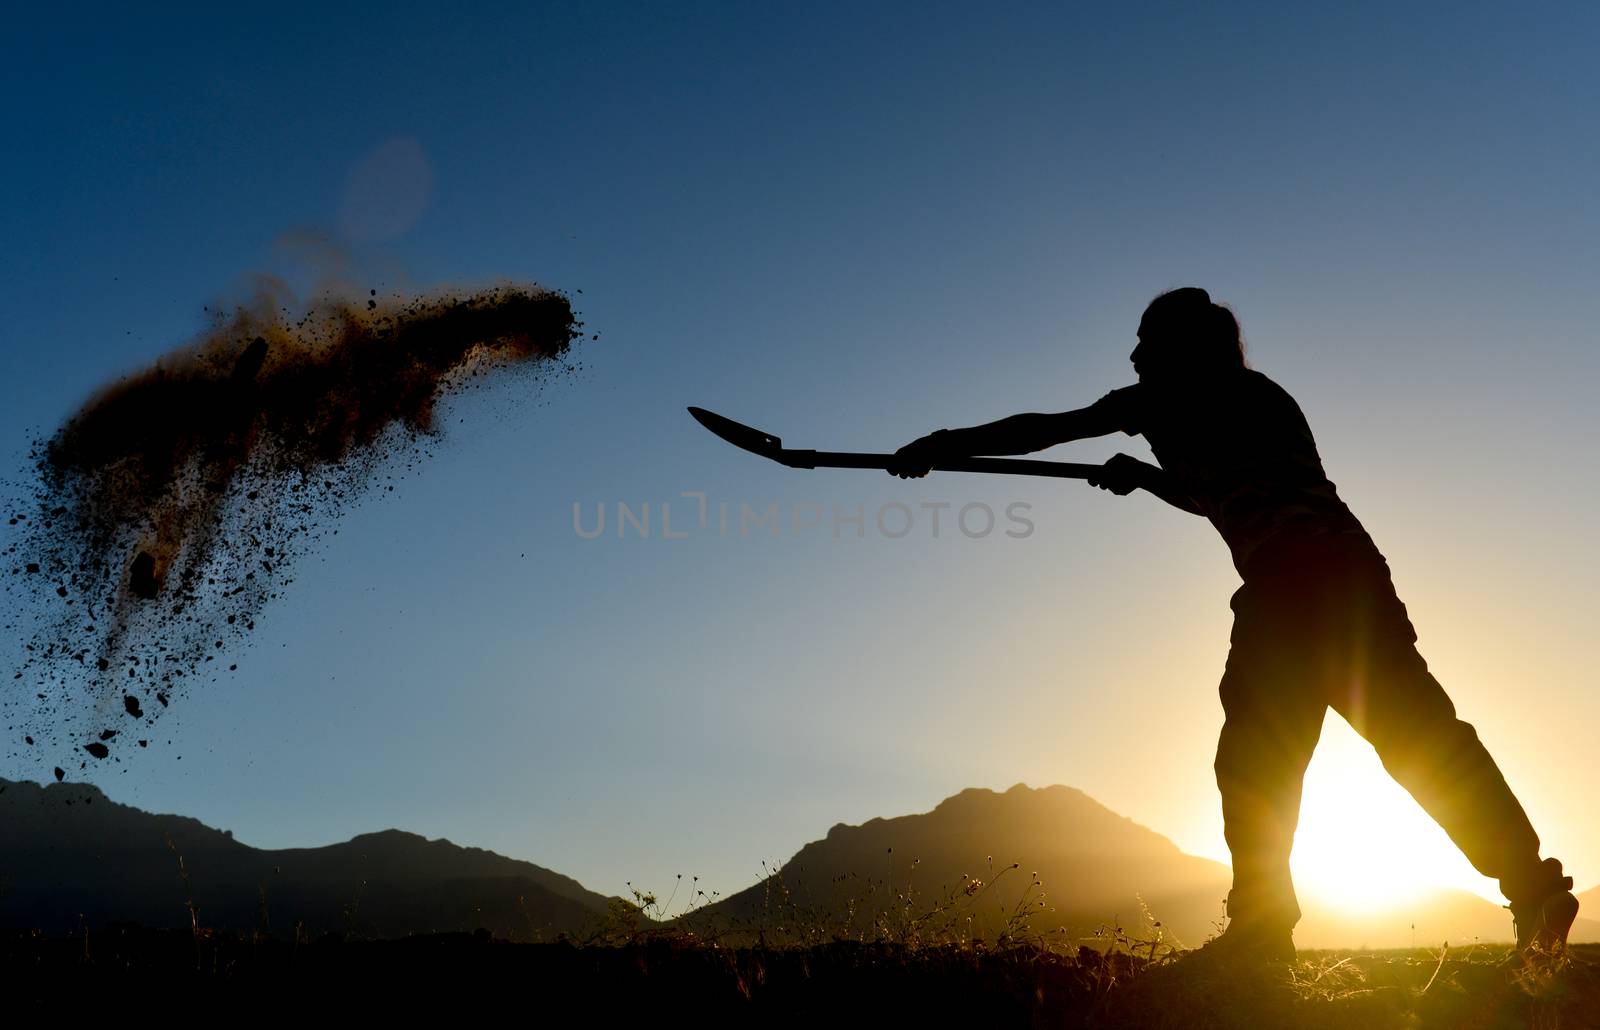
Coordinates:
[1316,623]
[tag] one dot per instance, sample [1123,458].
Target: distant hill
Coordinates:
[69,850]
[1094,866]
[66,849]
[1457,917]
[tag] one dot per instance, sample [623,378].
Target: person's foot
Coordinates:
[1542,925]
[1250,944]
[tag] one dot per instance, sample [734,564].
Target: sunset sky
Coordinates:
[847,225]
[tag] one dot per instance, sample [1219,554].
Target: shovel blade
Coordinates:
[738,434]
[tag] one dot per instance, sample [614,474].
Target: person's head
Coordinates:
[1184,335]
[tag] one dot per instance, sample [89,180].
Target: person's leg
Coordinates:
[1272,719]
[1390,698]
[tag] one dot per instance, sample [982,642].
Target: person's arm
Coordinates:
[1023,434]
[1026,433]
[1124,474]
[1018,434]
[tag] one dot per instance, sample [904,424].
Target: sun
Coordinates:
[1364,845]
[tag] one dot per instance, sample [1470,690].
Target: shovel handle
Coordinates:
[799,459]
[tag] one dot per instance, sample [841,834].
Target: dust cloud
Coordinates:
[158,521]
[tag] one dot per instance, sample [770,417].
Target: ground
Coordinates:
[840,983]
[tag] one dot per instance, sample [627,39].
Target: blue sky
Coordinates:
[848,225]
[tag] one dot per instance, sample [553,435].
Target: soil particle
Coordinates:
[142,582]
[152,504]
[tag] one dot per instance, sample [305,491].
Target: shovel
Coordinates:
[769,446]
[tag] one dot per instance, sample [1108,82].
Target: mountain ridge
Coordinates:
[72,850]
[1112,866]
[1097,869]
[1075,865]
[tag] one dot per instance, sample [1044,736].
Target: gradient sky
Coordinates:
[848,225]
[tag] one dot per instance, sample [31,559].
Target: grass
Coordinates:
[888,912]
[845,983]
[887,956]
[1023,971]
[1406,988]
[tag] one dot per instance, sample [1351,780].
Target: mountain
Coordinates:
[1093,868]
[1457,917]
[69,850]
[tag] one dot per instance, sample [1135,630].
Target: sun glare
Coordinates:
[1364,845]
